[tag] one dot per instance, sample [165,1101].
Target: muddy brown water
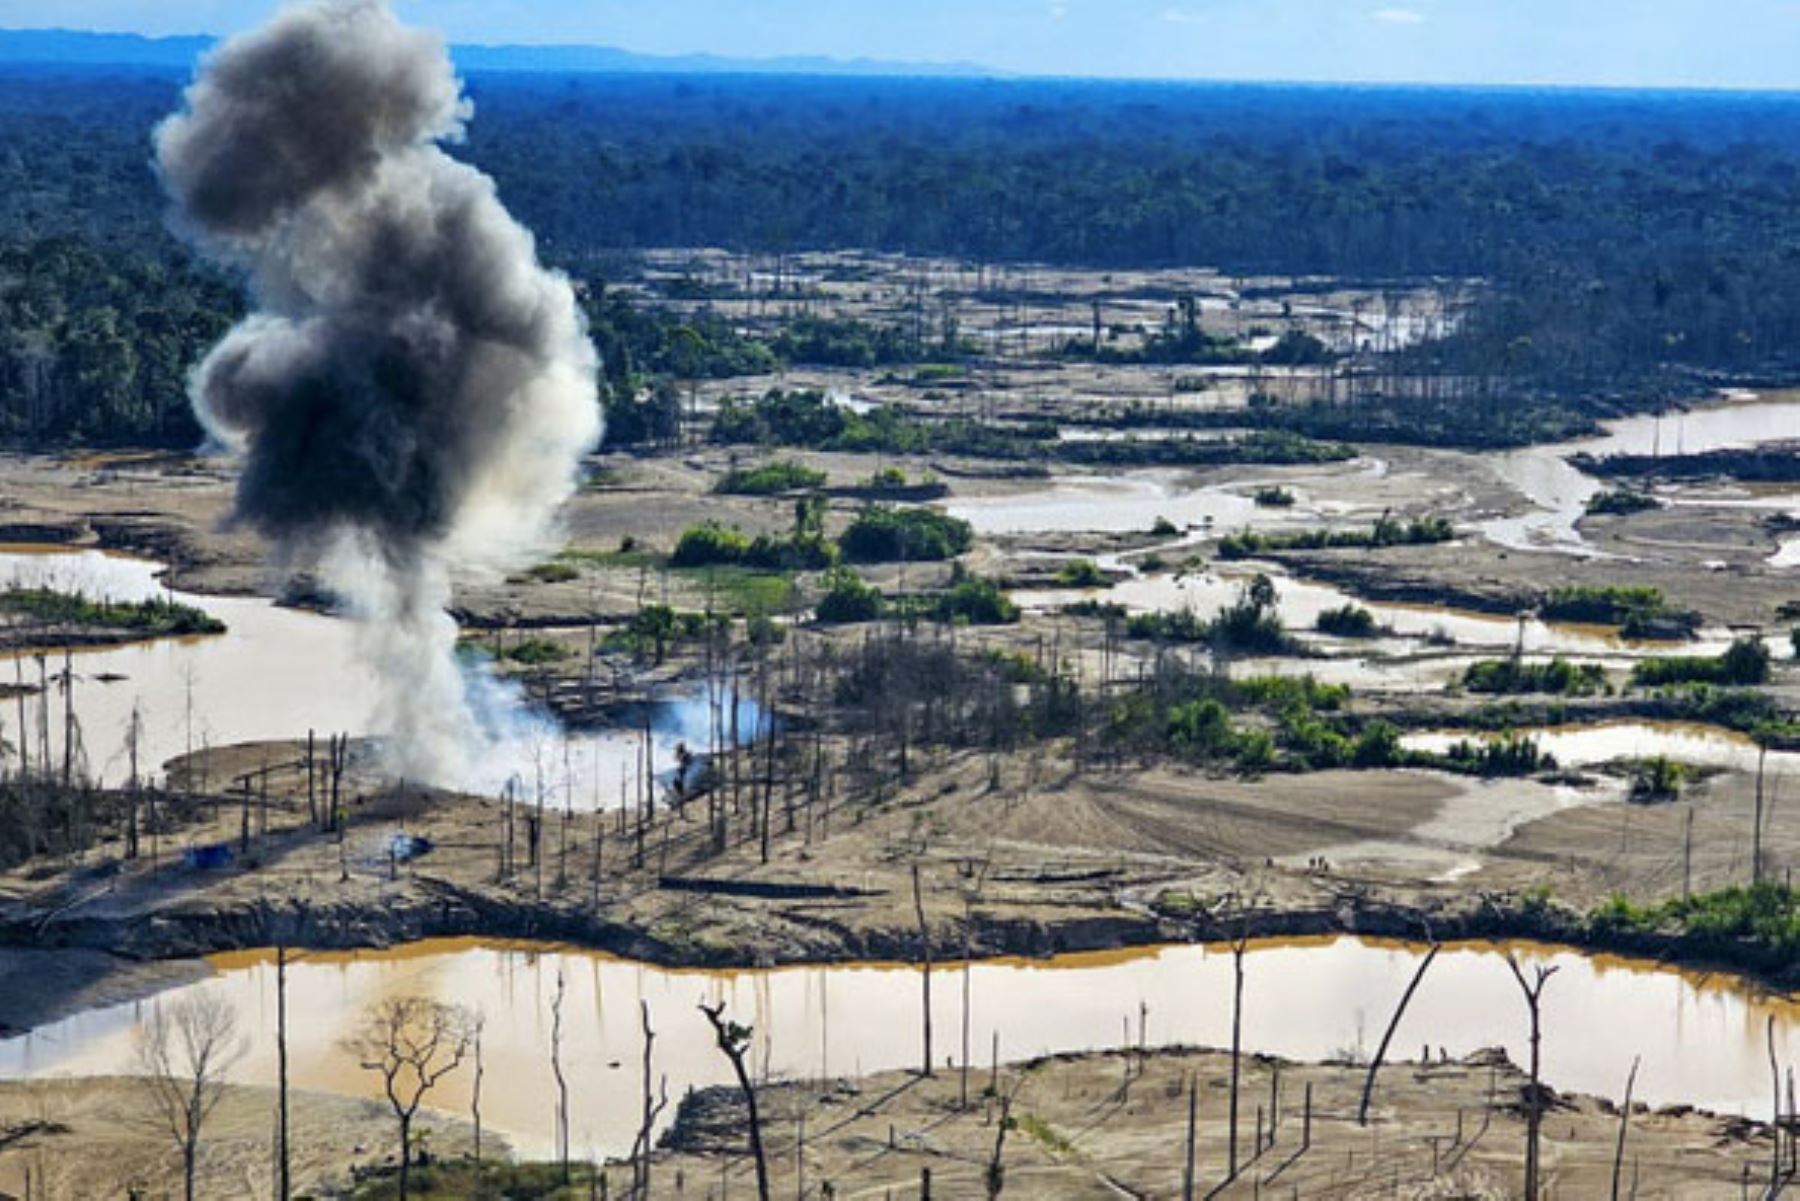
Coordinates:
[278,672]
[1701,1037]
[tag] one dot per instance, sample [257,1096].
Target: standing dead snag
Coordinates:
[653,1107]
[734,1042]
[413,1043]
[1534,1098]
[1362,1110]
[1239,945]
[562,1084]
[475,1089]
[185,1049]
[1624,1124]
[284,1180]
[925,957]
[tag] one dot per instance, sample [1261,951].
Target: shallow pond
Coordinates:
[1604,742]
[1702,1038]
[1558,493]
[278,672]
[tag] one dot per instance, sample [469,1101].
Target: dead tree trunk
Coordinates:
[1533,990]
[925,959]
[1624,1123]
[1362,1110]
[734,1042]
[284,1181]
[1238,946]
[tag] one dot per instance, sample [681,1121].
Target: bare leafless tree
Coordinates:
[562,1084]
[184,1050]
[1368,1092]
[734,1043]
[412,1043]
[1534,1099]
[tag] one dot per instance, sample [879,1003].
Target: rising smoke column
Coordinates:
[414,392]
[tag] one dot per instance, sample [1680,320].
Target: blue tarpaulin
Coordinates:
[208,858]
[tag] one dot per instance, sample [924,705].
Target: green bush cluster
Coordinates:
[848,599]
[1559,677]
[1350,621]
[155,617]
[883,534]
[1385,532]
[770,479]
[1745,662]
[712,544]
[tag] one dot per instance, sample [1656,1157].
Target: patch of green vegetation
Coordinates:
[813,420]
[848,598]
[1559,677]
[1763,917]
[1385,532]
[1274,496]
[1083,573]
[1620,502]
[535,652]
[1507,754]
[712,544]
[770,479]
[157,617]
[1197,717]
[1639,610]
[1164,528]
[883,534]
[975,601]
[1043,1132]
[1745,662]
[1350,621]
[746,591]
[629,556]
[1251,624]
[655,628]
[1658,778]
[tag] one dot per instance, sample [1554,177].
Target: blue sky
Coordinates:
[1699,43]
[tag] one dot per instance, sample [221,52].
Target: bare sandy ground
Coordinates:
[1115,1125]
[98,1137]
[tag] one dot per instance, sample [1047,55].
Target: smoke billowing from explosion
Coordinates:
[414,392]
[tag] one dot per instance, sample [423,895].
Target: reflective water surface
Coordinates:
[1701,1038]
[278,672]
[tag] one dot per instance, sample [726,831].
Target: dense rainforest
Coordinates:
[1628,238]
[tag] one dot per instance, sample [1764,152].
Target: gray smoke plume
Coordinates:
[414,393]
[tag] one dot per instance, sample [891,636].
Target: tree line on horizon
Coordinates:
[1629,240]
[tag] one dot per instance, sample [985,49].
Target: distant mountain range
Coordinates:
[78,48]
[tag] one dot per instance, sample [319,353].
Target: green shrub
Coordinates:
[770,479]
[978,602]
[156,617]
[1082,573]
[1385,532]
[848,599]
[1620,502]
[1351,621]
[1745,662]
[1274,496]
[1377,746]
[535,652]
[1559,676]
[710,544]
[881,534]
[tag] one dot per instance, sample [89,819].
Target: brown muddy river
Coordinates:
[1701,1038]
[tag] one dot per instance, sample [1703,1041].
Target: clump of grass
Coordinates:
[157,617]
[535,652]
